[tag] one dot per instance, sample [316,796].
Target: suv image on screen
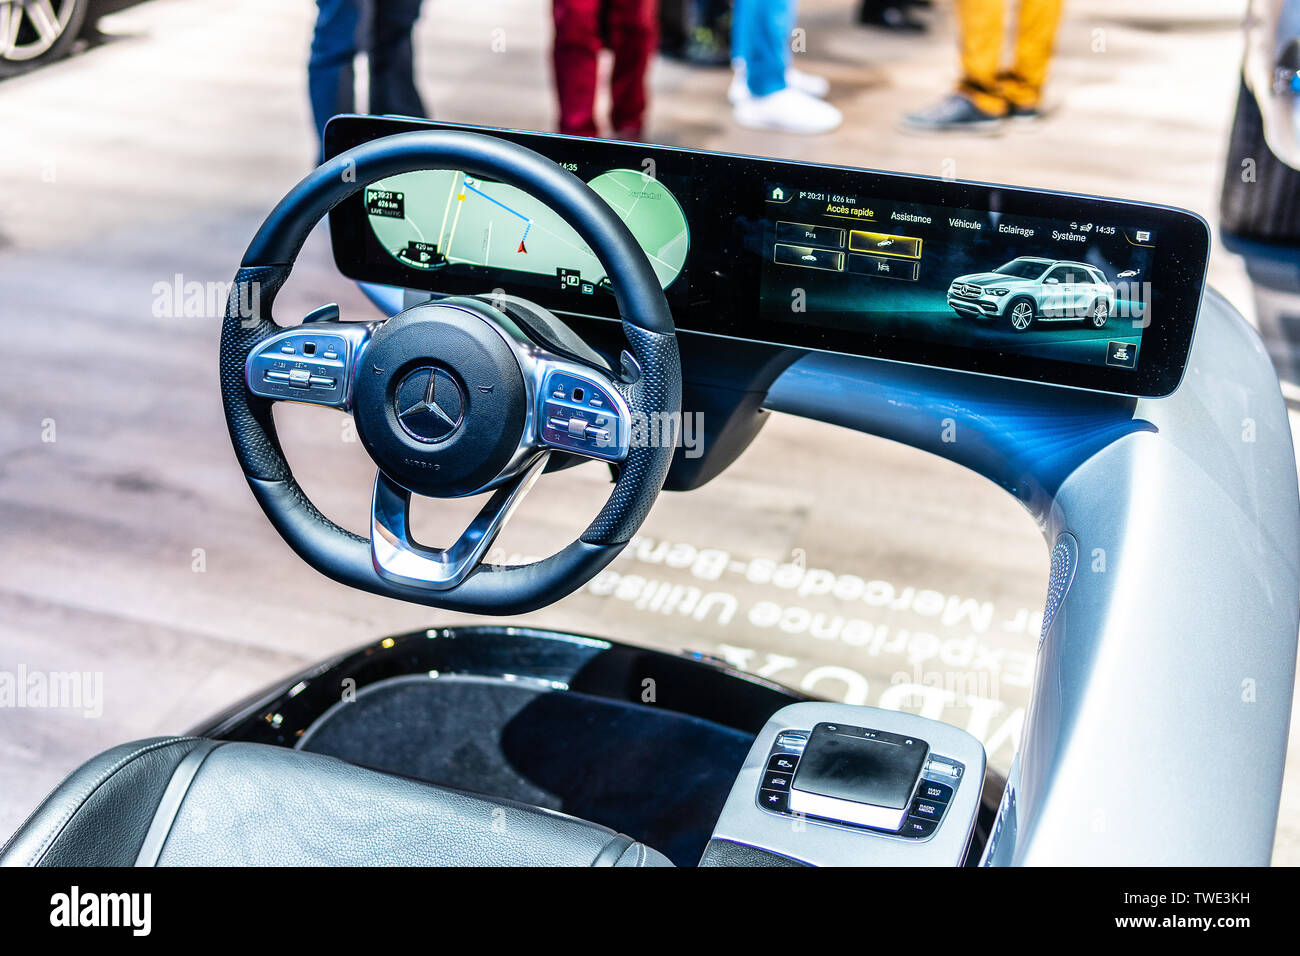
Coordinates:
[1028,290]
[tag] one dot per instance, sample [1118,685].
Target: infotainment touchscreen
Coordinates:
[1076,290]
[1029,284]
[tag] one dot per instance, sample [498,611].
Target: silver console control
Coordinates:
[870,799]
[942,767]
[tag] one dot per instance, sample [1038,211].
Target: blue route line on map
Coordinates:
[513,212]
[528,223]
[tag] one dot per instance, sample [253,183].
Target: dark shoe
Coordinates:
[890,16]
[1026,115]
[953,114]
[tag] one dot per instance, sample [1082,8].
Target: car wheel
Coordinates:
[1020,315]
[1099,314]
[35,32]
[1261,193]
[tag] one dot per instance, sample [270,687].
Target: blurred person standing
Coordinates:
[767,92]
[696,31]
[709,40]
[382,30]
[630,28]
[987,94]
[895,15]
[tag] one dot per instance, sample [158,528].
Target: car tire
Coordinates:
[34,49]
[1266,203]
[1020,314]
[1099,314]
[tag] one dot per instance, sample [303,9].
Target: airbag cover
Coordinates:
[440,401]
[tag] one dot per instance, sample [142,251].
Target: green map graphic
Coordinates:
[433,218]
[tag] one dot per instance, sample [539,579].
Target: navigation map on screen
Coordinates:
[438,219]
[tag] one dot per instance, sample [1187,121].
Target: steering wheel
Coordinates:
[455,396]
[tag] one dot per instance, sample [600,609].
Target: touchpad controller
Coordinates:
[843,784]
[858,775]
[884,781]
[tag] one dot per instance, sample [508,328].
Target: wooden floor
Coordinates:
[129,545]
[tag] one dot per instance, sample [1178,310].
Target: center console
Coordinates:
[839,785]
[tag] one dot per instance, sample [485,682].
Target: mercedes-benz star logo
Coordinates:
[430,405]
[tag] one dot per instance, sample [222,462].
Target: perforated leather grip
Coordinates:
[643,472]
[246,324]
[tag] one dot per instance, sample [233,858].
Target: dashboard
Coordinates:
[1043,286]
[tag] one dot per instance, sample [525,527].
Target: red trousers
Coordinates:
[630,28]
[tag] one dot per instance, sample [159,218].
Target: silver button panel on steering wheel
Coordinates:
[579,414]
[309,363]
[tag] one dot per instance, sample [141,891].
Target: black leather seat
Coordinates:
[176,801]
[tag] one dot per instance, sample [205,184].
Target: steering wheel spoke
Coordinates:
[399,558]
[313,363]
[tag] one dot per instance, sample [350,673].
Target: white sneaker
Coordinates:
[788,111]
[738,91]
[808,83]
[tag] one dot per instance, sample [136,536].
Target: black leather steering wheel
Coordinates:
[455,396]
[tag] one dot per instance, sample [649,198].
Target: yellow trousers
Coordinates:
[989,86]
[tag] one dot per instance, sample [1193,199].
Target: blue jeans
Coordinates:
[760,35]
[382,28]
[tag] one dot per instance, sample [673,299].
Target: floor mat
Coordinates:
[656,775]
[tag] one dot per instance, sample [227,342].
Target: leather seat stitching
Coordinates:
[99,782]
